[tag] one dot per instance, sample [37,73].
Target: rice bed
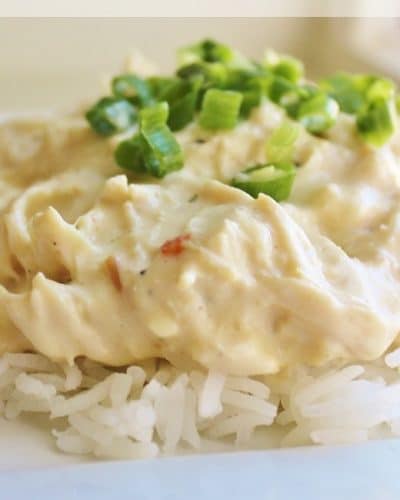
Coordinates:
[153,409]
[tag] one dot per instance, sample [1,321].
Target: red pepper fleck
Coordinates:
[113,271]
[172,248]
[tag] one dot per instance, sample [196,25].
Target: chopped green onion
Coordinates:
[182,97]
[160,86]
[275,180]
[182,110]
[166,153]
[155,149]
[352,92]
[284,66]
[292,101]
[318,113]
[210,51]
[132,88]
[251,99]
[213,74]
[377,122]
[207,51]
[239,79]
[260,82]
[175,89]
[306,104]
[345,90]
[281,91]
[280,145]
[220,109]
[225,86]
[251,85]
[213,51]
[129,154]
[380,88]
[288,95]
[153,117]
[291,69]
[111,115]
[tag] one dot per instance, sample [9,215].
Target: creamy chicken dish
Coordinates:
[234,216]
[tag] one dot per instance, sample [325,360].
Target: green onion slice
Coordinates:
[318,113]
[251,100]
[161,86]
[220,109]
[182,110]
[288,95]
[207,51]
[346,90]
[129,154]
[377,122]
[241,79]
[280,145]
[132,88]
[275,180]
[210,51]
[182,96]
[253,85]
[154,149]
[212,74]
[287,67]
[111,115]
[352,92]
[166,154]
[313,108]
[153,117]
[282,92]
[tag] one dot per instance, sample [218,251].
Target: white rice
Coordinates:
[210,404]
[153,409]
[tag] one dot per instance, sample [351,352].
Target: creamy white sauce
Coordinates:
[257,286]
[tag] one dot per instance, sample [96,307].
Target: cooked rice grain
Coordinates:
[154,409]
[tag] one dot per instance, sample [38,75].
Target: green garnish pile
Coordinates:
[217,87]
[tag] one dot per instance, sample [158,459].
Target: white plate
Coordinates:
[30,466]
[361,472]
[27,443]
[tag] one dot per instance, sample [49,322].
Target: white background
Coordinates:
[52,63]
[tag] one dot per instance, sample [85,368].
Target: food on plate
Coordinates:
[205,255]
